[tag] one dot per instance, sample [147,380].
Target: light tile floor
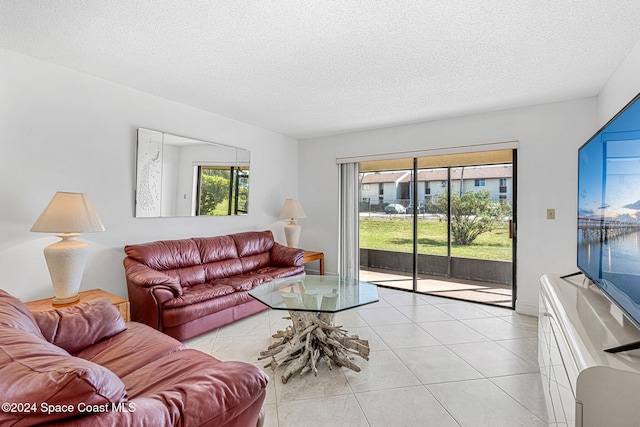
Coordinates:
[434,361]
[468,290]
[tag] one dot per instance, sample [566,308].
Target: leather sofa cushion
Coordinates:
[128,351]
[220,269]
[253,242]
[175,316]
[254,278]
[199,293]
[178,259]
[217,248]
[244,282]
[255,262]
[81,325]
[34,370]
[187,276]
[278,272]
[211,392]
[166,254]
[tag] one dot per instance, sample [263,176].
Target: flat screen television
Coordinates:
[609,211]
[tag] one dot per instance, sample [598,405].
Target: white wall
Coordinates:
[621,87]
[549,137]
[64,130]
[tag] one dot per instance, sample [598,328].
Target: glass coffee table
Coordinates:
[312,302]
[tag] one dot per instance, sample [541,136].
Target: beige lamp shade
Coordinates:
[292,209]
[67,215]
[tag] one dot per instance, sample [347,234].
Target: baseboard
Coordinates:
[528,309]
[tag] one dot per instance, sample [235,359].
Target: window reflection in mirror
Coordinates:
[222,190]
[178,176]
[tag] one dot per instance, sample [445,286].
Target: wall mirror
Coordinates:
[179,176]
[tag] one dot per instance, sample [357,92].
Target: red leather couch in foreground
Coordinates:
[187,287]
[82,365]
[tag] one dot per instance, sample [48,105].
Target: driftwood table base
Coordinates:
[312,337]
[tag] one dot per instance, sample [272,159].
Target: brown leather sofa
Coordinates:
[82,365]
[187,287]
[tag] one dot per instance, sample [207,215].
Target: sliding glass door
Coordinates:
[387,225]
[443,230]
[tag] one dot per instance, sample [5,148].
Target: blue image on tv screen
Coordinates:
[609,209]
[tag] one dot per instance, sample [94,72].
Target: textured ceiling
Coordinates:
[311,68]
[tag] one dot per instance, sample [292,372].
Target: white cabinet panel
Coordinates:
[584,385]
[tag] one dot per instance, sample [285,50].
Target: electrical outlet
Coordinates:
[551,214]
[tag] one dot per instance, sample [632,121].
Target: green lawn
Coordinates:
[395,234]
[222,208]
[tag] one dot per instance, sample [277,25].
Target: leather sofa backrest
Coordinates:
[202,259]
[218,248]
[166,254]
[82,325]
[253,242]
[254,249]
[179,259]
[219,257]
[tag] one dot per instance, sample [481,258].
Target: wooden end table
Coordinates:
[313,256]
[46,304]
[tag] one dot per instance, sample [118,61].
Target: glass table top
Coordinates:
[327,293]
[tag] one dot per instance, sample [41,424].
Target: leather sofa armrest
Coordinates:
[284,256]
[139,274]
[148,290]
[77,327]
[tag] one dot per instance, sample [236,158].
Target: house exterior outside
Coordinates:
[378,189]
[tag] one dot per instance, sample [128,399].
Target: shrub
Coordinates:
[472,214]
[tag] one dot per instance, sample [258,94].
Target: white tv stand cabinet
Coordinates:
[584,385]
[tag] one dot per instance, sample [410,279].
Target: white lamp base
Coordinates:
[292,233]
[66,260]
[65,301]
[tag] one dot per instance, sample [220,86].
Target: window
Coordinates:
[222,190]
[503,185]
[479,182]
[381,189]
[427,188]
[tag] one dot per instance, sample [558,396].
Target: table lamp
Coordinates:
[67,215]
[292,209]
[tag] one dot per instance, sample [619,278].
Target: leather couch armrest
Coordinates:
[284,256]
[148,290]
[77,327]
[139,274]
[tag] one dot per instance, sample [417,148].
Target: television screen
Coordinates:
[609,209]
